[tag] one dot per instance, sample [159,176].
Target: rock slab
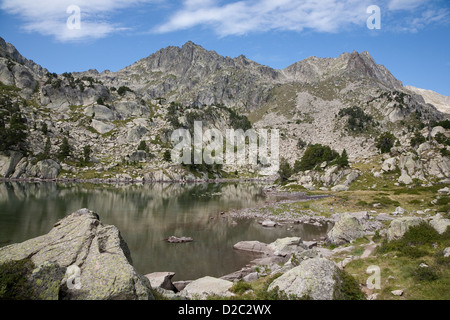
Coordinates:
[97,252]
[313,278]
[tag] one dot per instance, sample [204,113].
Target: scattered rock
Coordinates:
[447,252]
[180,285]
[162,280]
[268,223]
[398,227]
[405,178]
[207,286]
[439,223]
[347,229]
[309,244]
[383,217]
[8,162]
[253,246]
[286,246]
[399,210]
[339,187]
[445,190]
[346,261]
[313,278]
[251,277]
[397,292]
[173,239]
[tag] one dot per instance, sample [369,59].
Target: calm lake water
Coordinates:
[148,214]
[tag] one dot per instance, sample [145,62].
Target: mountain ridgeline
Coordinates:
[117,125]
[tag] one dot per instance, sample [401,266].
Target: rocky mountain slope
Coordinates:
[442,103]
[106,117]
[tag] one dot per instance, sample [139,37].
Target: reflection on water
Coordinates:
[146,215]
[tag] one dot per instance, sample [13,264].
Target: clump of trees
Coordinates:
[316,154]
[65,149]
[123,90]
[313,157]
[417,139]
[13,128]
[385,142]
[358,121]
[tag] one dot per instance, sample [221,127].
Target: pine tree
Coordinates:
[47,147]
[143,146]
[64,149]
[342,160]
[87,153]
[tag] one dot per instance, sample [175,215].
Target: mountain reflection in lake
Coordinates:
[146,215]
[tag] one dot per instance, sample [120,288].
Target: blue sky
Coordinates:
[413,41]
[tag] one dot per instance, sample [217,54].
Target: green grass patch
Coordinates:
[14,283]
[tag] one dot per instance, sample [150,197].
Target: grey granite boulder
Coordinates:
[95,258]
[316,278]
[400,226]
[346,229]
[207,286]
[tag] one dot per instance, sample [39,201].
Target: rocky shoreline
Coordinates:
[134,181]
[80,247]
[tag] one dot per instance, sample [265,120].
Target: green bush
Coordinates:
[14,283]
[417,139]
[240,287]
[143,146]
[44,128]
[425,274]
[346,287]
[342,160]
[167,156]
[87,153]
[444,123]
[285,170]
[122,90]
[385,142]
[358,121]
[316,154]
[100,101]
[442,139]
[415,243]
[64,149]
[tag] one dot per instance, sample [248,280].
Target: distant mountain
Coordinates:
[442,103]
[344,102]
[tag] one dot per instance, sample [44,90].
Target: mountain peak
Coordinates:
[8,51]
[354,65]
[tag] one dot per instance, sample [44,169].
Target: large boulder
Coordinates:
[8,162]
[161,280]
[346,229]
[286,246]
[207,286]
[95,259]
[102,127]
[100,112]
[439,223]
[317,279]
[136,133]
[138,155]
[400,226]
[253,246]
[45,169]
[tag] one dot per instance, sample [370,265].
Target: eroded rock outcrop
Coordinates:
[96,253]
[317,279]
[400,226]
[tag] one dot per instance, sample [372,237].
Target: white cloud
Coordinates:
[405,4]
[245,16]
[415,15]
[49,17]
